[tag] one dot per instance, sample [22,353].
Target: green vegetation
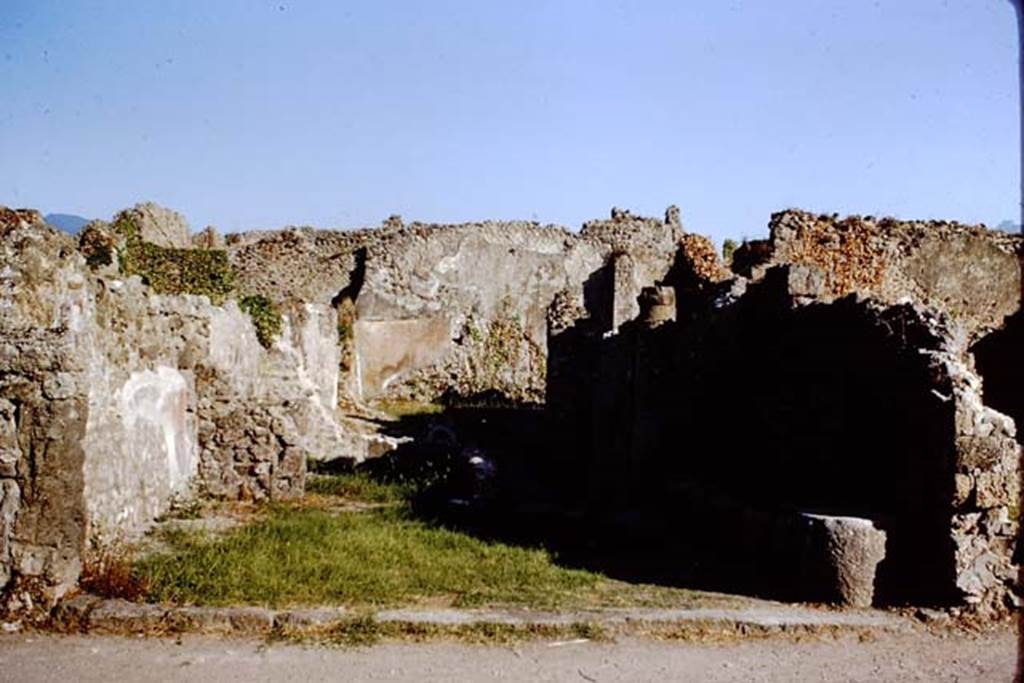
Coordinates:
[98,246]
[174,271]
[346,309]
[378,557]
[265,318]
[359,487]
[324,551]
[189,271]
[504,337]
[729,247]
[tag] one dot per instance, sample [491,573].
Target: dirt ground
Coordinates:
[915,656]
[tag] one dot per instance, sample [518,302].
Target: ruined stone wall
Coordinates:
[838,378]
[43,302]
[458,309]
[117,402]
[262,414]
[969,272]
[461,309]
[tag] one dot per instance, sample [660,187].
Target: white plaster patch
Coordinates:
[154,414]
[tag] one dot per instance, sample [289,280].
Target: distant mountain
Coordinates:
[66,221]
[1009,226]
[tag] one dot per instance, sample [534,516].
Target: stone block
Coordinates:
[840,556]
[121,616]
[246,620]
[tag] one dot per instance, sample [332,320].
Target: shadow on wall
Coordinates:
[689,453]
[707,439]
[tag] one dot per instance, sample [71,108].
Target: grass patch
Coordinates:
[360,487]
[380,557]
[324,550]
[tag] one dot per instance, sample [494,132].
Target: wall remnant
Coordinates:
[118,402]
[832,374]
[844,369]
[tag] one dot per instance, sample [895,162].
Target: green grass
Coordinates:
[359,487]
[324,551]
[382,557]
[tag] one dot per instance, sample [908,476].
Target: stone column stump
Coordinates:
[840,556]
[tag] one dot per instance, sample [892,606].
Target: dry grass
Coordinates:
[109,573]
[363,631]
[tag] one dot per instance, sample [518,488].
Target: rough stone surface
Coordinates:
[160,226]
[459,309]
[121,616]
[116,403]
[778,389]
[222,620]
[969,272]
[208,238]
[841,556]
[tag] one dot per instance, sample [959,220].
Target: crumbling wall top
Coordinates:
[627,232]
[970,272]
[159,225]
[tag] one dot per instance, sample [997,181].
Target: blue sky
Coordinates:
[249,114]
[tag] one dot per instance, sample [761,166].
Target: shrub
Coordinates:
[175,271]
[729,247]
[265,318]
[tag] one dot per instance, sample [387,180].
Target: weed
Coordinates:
[265,318]
[729,248]
[108,572]
[356,632]
[399,408]
[365,631]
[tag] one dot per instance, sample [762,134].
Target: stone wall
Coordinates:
[117,402]
[836,376]
[43,398]
[459,309]
[969,272]
[835,373]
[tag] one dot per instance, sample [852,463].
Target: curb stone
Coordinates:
[90,614]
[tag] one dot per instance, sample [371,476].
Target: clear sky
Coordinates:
[246,114]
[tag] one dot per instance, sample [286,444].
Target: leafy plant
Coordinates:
[265,318]
[171,270]
[729,247]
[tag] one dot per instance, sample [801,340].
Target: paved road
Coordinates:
[903,657]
